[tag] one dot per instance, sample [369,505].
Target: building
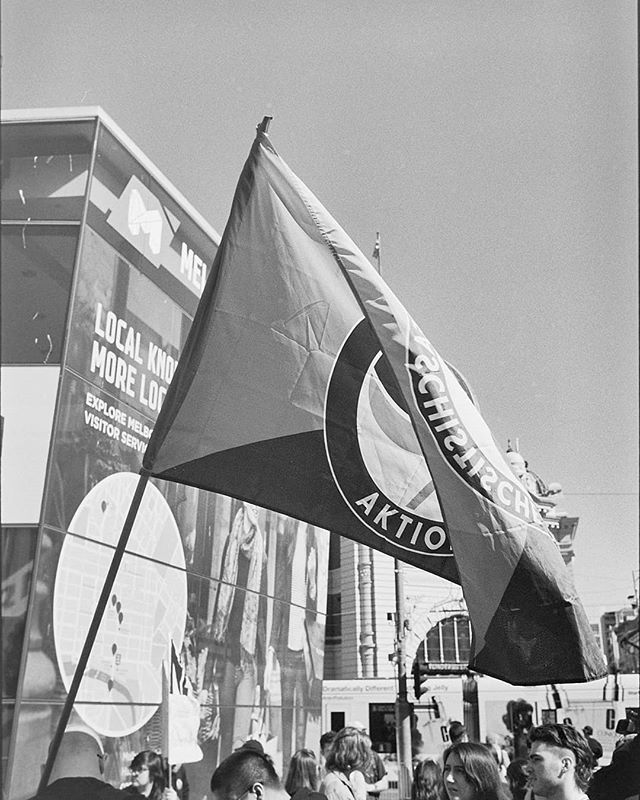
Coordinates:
[619,632]
[103,264]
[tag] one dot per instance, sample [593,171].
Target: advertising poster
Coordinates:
[240,591]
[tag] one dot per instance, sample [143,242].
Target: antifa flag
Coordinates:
[305,387]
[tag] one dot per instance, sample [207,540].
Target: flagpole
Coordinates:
[402,706]
[93,627]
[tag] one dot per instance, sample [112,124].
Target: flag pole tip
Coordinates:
[263,127]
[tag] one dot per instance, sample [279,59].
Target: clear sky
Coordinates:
[493,144]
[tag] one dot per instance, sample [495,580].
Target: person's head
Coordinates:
[303,771]
[427,777]
[587,730]
[349,751]
[246,775]
[457,732]
[147,774]
[518,777]
[252,744]
[471,773]
[80,755]
[559,755]
[326,740]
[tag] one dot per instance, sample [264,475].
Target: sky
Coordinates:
[492,144]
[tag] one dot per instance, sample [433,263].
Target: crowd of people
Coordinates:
[560,766]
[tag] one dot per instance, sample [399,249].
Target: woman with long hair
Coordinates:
[471,773]
[302,778]
[346,760]
[427,780]
[148,777]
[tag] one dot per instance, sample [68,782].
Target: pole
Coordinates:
[93,628]
[403,707]
[365,587]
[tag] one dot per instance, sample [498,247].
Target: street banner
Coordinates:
[305,387]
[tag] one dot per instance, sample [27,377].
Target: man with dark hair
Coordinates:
[560,762]
[457,732]
[326,740]
[244,773]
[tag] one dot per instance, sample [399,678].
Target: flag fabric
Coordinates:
[376,250]
[305,387]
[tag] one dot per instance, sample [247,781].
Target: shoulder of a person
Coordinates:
[304,793]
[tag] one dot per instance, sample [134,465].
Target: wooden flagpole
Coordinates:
[93,628]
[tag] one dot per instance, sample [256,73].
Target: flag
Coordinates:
[376,250]
[305,387]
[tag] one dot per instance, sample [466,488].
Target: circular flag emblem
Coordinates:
[374,454]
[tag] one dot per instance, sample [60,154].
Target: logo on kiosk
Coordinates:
[152,229]
[145,221]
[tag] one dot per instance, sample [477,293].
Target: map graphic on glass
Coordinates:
[146,610]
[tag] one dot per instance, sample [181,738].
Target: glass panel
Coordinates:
[127,333]
[35,728]
[6,722]
[37,264]
[18,549]
[130,209]
[28,399]
[44,169]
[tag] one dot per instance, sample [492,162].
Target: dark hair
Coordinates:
[456,731]
[569,738]
[349,751]
[480,769]
[587,730]
[239,771]
[327,739]
[303,771]
[427,778]
[517,776]
[153,762]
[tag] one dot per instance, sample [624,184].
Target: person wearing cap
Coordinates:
[78,769]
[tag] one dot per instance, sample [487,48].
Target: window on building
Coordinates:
[334,551]
[334,619]
[449,641]
[337,720]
